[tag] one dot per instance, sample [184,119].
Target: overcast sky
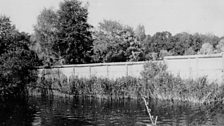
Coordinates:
[203,16]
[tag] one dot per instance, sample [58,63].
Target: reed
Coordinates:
[155,83]
[125,87]
[162,85]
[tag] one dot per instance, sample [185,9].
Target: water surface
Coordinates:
[94,112]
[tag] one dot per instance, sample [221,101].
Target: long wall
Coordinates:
[192,66]
[104,70]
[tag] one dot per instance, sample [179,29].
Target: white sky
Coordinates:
[203,16]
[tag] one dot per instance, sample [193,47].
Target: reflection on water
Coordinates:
[91,112]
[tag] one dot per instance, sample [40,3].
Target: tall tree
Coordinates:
[64,36]
[74,38]
[45,36]
[140,32]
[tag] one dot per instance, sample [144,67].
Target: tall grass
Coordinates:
[163,85]
[125,87]
[155,83]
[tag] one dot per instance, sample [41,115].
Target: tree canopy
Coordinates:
[17,61]
[114,42]
[65,35]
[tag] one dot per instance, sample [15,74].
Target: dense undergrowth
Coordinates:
[155,83]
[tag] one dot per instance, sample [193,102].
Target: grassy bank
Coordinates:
[155,83]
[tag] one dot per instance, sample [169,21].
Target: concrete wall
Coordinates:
[186,67]
[104,70]
[195,66]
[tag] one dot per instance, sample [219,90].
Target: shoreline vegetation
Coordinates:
[155,83]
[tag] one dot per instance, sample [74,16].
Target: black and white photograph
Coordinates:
[111,63]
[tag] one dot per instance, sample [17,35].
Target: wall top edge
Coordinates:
[194,56]
[96,64]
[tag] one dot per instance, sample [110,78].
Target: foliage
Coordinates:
[220,46]
[45,35]
[164,53]
[64,35]
[181,41]
[206,48]
[210,38]
[190,51]
[140,32]
[17,61]
[115,42]
[160,41]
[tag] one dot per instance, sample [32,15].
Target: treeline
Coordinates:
[64,36]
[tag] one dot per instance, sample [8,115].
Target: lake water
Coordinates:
[93,112]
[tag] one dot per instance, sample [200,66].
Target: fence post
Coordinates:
[222,67]
[107,71]
[90,74]
[74,71]
[190,69]
[197,70]
[126,69]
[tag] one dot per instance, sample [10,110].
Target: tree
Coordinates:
[164,53]
[181,43]
[220,46]
[156,43]
[210,38]
[206,48]
[17,61]
[140,32]
[45,36]
[196,42]
[115,42]
[64,35]
[190,51]
[74,38]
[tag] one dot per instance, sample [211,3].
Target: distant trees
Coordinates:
[17,61]
[156,43]
[114,42]
[206,48]
[64,35]
[220,46]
